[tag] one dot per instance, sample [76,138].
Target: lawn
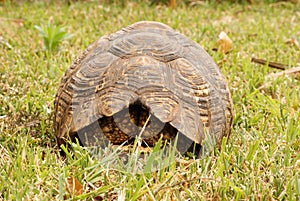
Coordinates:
[261,160]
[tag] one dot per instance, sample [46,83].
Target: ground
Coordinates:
[260,161]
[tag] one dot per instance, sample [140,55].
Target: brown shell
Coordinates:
[146,67]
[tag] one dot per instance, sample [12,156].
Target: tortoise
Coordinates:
[145,80]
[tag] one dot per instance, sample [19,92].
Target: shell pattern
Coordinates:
[145,72]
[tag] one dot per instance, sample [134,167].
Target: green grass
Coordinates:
[261,160]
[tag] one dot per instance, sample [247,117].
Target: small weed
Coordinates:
[52,36]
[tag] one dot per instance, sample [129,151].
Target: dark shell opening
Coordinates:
[126,125]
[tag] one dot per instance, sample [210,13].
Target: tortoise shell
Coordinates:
[144,73]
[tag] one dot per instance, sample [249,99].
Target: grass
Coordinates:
[261,160]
